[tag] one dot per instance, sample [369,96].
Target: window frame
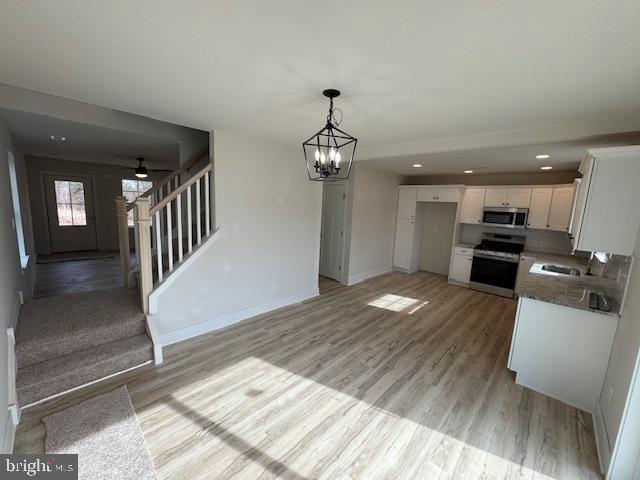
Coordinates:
[17,209]
[70,203]
[130,221]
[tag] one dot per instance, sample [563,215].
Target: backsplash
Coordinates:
[536,240]
[616,269]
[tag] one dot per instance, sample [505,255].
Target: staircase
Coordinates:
[68,341]
[172,222]
[65,342]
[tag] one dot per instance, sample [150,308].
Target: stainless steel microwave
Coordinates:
[505,217]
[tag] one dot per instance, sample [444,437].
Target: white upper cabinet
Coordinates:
[560,209]
[427,194]
[496,197]
[514,197]
[407,203]
[606,215]
[519,197]
[472,205]
[539,207]
[437,194]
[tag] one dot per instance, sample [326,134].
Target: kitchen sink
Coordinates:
[561,270]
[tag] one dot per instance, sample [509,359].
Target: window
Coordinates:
[70,203]
[132,189]
[17,213]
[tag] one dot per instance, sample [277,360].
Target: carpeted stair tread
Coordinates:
[53,326]
[43,380]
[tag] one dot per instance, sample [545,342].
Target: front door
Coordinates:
[71,214]
[332,240]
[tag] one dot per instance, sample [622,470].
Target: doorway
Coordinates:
[332,230]
[70,213]
[439,220]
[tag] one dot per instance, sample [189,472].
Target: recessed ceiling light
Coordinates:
[546,168]
[58,138]
[468,171]
[543,156]
[417,165]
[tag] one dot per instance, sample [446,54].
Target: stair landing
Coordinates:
[67,341]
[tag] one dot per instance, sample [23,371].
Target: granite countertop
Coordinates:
[567,290]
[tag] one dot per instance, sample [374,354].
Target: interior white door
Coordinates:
[539,208]
[332,230]
[560,210]
[71,213]
[496,197]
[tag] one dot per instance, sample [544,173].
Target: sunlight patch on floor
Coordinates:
[394,303]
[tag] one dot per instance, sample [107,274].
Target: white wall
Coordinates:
[372,213]
[626,348]
[267,254]
[12,277]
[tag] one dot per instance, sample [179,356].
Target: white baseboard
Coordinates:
[360,277]
[602,439]
[217,323]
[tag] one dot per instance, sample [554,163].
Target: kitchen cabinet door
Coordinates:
[539,208]
[519,197]
[427,194]
[560,210]
[447,195]
[407,203]
[496,197]
[461,268]
[403,245]
[472,205]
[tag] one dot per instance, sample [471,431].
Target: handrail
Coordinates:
[185,168]
[172,196]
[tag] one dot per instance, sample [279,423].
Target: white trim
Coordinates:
[188,260]
[602,440]
[148,362]
[9,434]
[154,333]
[361,277]
[216,323]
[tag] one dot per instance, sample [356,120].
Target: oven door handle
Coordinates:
[497,259]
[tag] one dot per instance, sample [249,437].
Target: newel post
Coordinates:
[123,237]
[144,254]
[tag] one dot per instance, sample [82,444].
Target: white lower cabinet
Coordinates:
[461,265]
[561,351]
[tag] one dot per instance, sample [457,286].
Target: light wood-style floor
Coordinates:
[399,377]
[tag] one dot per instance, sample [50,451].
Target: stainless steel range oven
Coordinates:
[495,264]
[505,217]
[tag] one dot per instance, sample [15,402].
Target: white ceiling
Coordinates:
[88,143]
[564,156]
[417,76]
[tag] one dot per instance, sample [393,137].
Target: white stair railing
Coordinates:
[160,227]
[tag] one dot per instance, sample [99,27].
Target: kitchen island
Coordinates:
[560,346]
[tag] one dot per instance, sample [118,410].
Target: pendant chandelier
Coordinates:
[141,171]
[329,153]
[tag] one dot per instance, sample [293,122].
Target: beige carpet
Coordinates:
[105,433]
